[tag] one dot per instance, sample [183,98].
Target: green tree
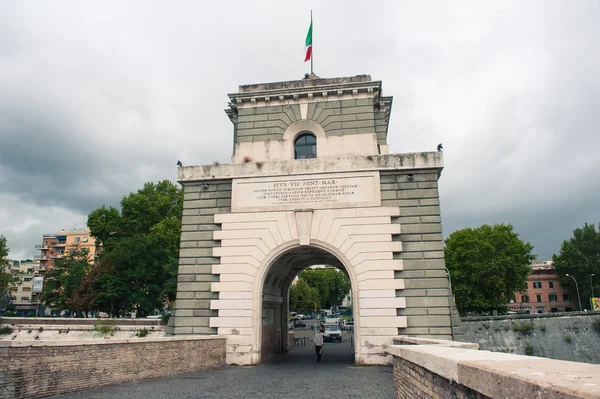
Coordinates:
[140,249]
[8,279]
[332,284]
[487,265]
[302,297]
[580,257]
[145,271]
[63,284]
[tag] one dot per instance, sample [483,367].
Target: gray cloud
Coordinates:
[97,98]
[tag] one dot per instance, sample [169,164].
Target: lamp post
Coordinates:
[450,304]
[592,287]
[576,287]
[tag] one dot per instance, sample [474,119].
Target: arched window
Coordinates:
[305,146]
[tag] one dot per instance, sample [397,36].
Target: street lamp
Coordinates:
[577,287]
[592,287]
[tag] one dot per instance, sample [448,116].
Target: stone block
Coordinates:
[191,196]
[408,255]
[438,311]
[433,255]
[420,228]
[204,313]
[429,202]
[413,331]
[418,193]
[436,273]
[208,203]
[429,321]
[408,274]
[196,236]
[193,286]
[192,304]
[438,292]
[430,264]
[412,293]
[433,237]
[423,246]
[382,303]
[431,219]
[426,283]
[195,252]
[412,312]
[209,278]
[419,302]
[197,220]
[383,322]
[420,211]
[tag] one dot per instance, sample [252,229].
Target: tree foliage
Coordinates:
[487,266]
[332,285]
[580,257]
[140,248]
[303,298]
[138,262]
[63,285]
[7,279]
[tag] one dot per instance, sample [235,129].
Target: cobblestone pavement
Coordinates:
[295,375]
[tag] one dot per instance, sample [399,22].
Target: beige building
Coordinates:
[25,296]
[311,182]
[54,246]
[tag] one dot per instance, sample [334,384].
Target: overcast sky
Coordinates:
[98,97]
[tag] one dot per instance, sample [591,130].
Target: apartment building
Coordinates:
[25,296]
[544,293]
[55,246]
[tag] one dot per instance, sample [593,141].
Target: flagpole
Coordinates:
[312,54]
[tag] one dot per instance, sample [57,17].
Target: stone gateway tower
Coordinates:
[311,181]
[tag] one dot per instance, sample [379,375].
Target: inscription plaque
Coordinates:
[319,191]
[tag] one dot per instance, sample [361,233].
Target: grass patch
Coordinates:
[105,327]
[5,330]
[596,325]
[524,328]
[568,338]
[529,351]
[142,333]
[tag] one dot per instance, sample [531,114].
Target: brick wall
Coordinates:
[45,369]
[428,302]
[192,308]
[413,381]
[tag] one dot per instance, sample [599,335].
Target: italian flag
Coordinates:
[308,43]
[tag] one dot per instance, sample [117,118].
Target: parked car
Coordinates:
[332,333]
[299,324]
[349,326]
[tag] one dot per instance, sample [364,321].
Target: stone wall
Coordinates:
[431,368]
[565,336]
[35,370]
[196,260]
[428,299]
[413,381]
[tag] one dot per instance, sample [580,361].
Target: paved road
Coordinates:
[296,375]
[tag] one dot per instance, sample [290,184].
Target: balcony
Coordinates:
[38,246]
[59,244]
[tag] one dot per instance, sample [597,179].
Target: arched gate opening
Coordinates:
[271,331]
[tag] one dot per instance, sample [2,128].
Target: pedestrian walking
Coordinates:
[318,341]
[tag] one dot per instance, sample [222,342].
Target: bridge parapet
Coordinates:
[446,369]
